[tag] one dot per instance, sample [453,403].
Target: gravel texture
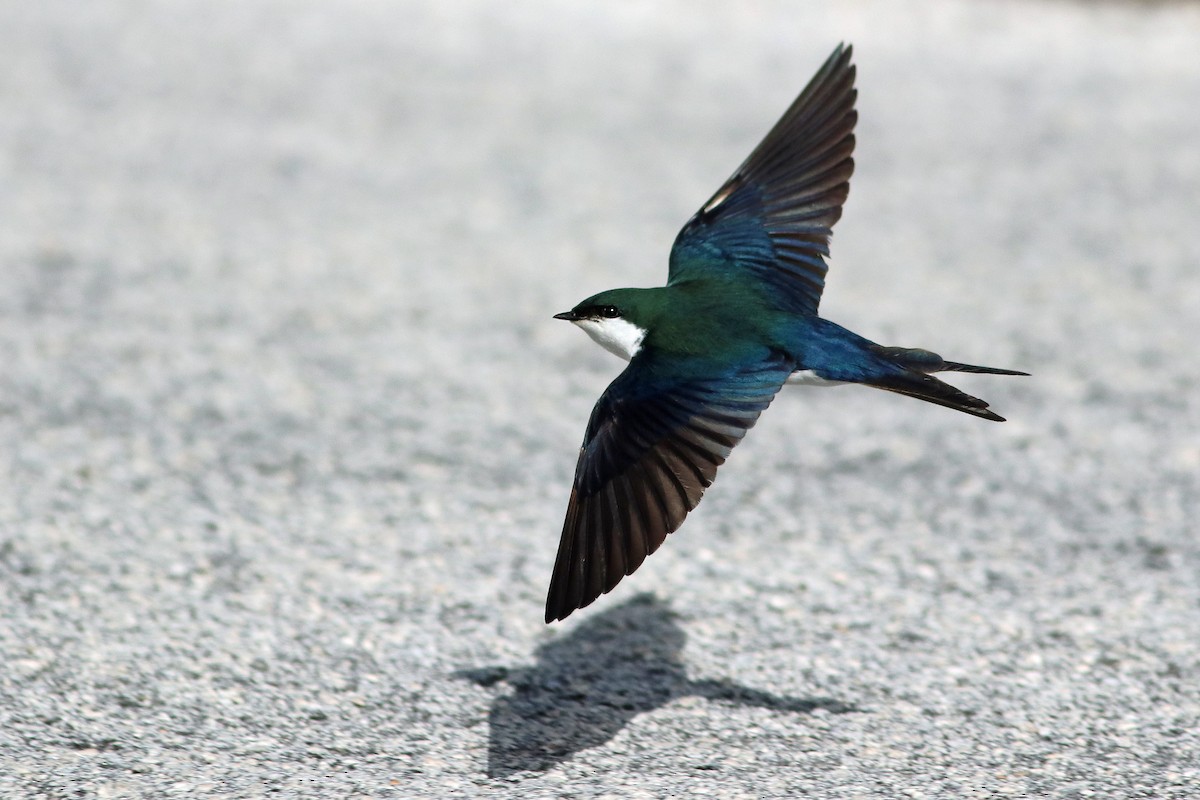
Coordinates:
[287,431]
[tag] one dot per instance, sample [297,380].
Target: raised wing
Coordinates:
[653,445]
[774,217]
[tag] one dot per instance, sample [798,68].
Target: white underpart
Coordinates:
[622,338]
[806,377]
[618,336]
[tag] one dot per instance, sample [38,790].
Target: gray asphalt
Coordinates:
[287,431]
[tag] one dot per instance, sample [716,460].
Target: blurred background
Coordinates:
[286,430]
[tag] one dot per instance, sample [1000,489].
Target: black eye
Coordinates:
[609,311]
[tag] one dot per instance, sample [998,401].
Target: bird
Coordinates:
[708,352]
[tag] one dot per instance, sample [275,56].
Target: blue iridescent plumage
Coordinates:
[708,352]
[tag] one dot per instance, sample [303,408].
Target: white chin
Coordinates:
[618,336]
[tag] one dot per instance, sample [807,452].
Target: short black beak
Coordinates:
[569,316]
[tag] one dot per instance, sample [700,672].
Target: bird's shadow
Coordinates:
[589,684]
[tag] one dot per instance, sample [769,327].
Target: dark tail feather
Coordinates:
[931,390]
[954,366]
[915,358]
[915,380]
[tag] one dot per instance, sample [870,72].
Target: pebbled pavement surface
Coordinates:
[286,430]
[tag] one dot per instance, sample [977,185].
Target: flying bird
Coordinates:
[707,353]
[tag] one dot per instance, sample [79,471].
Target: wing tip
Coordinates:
[554,613]
[561,602]
[841,57]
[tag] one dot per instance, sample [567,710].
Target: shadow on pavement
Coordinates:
[588,685]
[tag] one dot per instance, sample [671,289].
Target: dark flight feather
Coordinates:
[653,445]
[775,215]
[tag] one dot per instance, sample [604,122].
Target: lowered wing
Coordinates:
[653,445]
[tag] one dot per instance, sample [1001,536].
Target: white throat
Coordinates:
[618,336]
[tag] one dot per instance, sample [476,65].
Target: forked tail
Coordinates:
[915,381]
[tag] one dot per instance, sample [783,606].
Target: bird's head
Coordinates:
[617,320]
